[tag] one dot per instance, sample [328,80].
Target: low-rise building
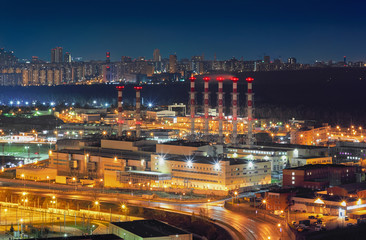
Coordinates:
[324,204]
[301,161]
[349,190]
[36,173]
[211,173]
[278,200]
[348,152]
[319,176]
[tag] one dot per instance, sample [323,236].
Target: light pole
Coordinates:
[265,207]
[74,180]
[49,182]
[124,209]
[97,205]
[102,183]
[23,177]
[235,195]
[280,228]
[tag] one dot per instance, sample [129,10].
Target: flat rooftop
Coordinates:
[288,146]
[186,143]
[148,173]
[332,198]
[109,153]
[317,166]
[203,159]
[149,228]
[86,237]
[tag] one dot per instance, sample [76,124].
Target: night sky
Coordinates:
[308,30]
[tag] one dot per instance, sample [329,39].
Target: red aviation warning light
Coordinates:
[206,78]
[220,79]
[234,79]
[120,87]
[192,79]
[249,79]
[137,88]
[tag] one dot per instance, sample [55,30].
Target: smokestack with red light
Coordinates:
[138,111]
[193,104]
[120,119]
[205,105]
[235,110]
[250,111]
[220,98]
[107,57]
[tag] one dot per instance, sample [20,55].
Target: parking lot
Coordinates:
[318,222]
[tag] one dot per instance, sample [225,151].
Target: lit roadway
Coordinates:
[249,227]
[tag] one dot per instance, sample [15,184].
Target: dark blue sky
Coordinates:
[308,30]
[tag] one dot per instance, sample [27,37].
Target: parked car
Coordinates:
[311,217]
[304,222]
[319,221]
[300,229]
[346,219]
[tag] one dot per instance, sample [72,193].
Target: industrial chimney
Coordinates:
[250,112]
[138,111]
[205,106]
[220,97]
[192,103]
[234,140]
[120,119]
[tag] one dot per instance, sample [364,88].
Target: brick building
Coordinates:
[319,176]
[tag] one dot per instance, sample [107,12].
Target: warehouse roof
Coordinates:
[149,228]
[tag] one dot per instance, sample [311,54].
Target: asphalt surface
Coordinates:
[249,227]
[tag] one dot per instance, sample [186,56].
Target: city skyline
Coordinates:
[310,31]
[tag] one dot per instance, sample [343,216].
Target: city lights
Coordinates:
[217,166]
[103,136]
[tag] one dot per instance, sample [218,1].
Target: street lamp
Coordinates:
[208,201]
[48,179]
[97,205]
[101,182]
[124,210]
[5,211]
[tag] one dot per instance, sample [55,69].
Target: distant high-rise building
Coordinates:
[156,55]
[172,63]
[7,58]
[56,55]
[267,59]
[67,57]
[197,64]
[126,59]
[291,60]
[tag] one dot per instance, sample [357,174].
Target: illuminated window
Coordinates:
[293,182]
